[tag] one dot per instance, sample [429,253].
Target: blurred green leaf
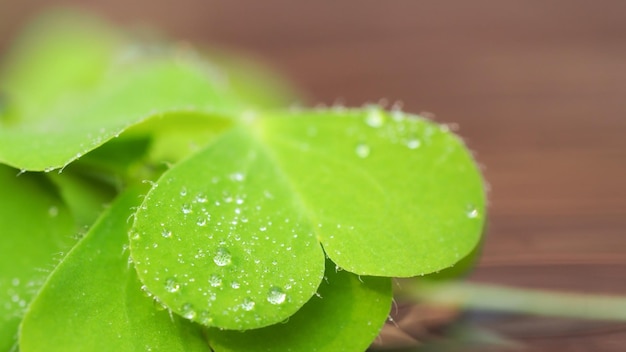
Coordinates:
[122,100]
[72,84]
[60,54]
[120,157]
[84,196]
[94,302]
[36,228]
[254,82]
[176,136]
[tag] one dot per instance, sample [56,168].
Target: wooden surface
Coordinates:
[538,89]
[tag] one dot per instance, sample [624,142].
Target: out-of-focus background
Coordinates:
[538,89]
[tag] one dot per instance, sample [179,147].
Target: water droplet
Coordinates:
[171,285]
[187,311]
[166,233]
[186,208]
[235,285]
[201,198]
[201,221]
[247,304]
[205,318]
[276,296]
[222,257]
[145,291]
[215,281]
[53,211]
[472,212]
[158,305]
[362,150]
[413,143]
[262,228]
[397,115]
[237,176]
[375,118]
[183,191]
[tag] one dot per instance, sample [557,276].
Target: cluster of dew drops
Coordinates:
[375,118]
[221,258]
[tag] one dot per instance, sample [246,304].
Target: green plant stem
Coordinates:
[518,300]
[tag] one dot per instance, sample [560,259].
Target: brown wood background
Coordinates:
[538,89]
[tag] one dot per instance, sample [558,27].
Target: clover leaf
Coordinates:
[260,221]
[232,237]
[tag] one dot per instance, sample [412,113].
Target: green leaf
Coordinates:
[119,158]
[71,84]
[254,82]
[124,99]
[93,300]
[36,229]
[346,316]
[386,195]
[84,196]
[178,135]
[225,249]
[59,54]
[393,194]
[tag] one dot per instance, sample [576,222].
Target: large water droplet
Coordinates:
[472,212]
[276,296]
[53,211]
[237,176]
[166,233]
[134,236]
[183,191]
[222,257]
[201,198]
[413,143]
[187,311]
[215,281]
[375,118]
[247,304]
[186,208]
[362,150]
[235,285]
[171,285]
